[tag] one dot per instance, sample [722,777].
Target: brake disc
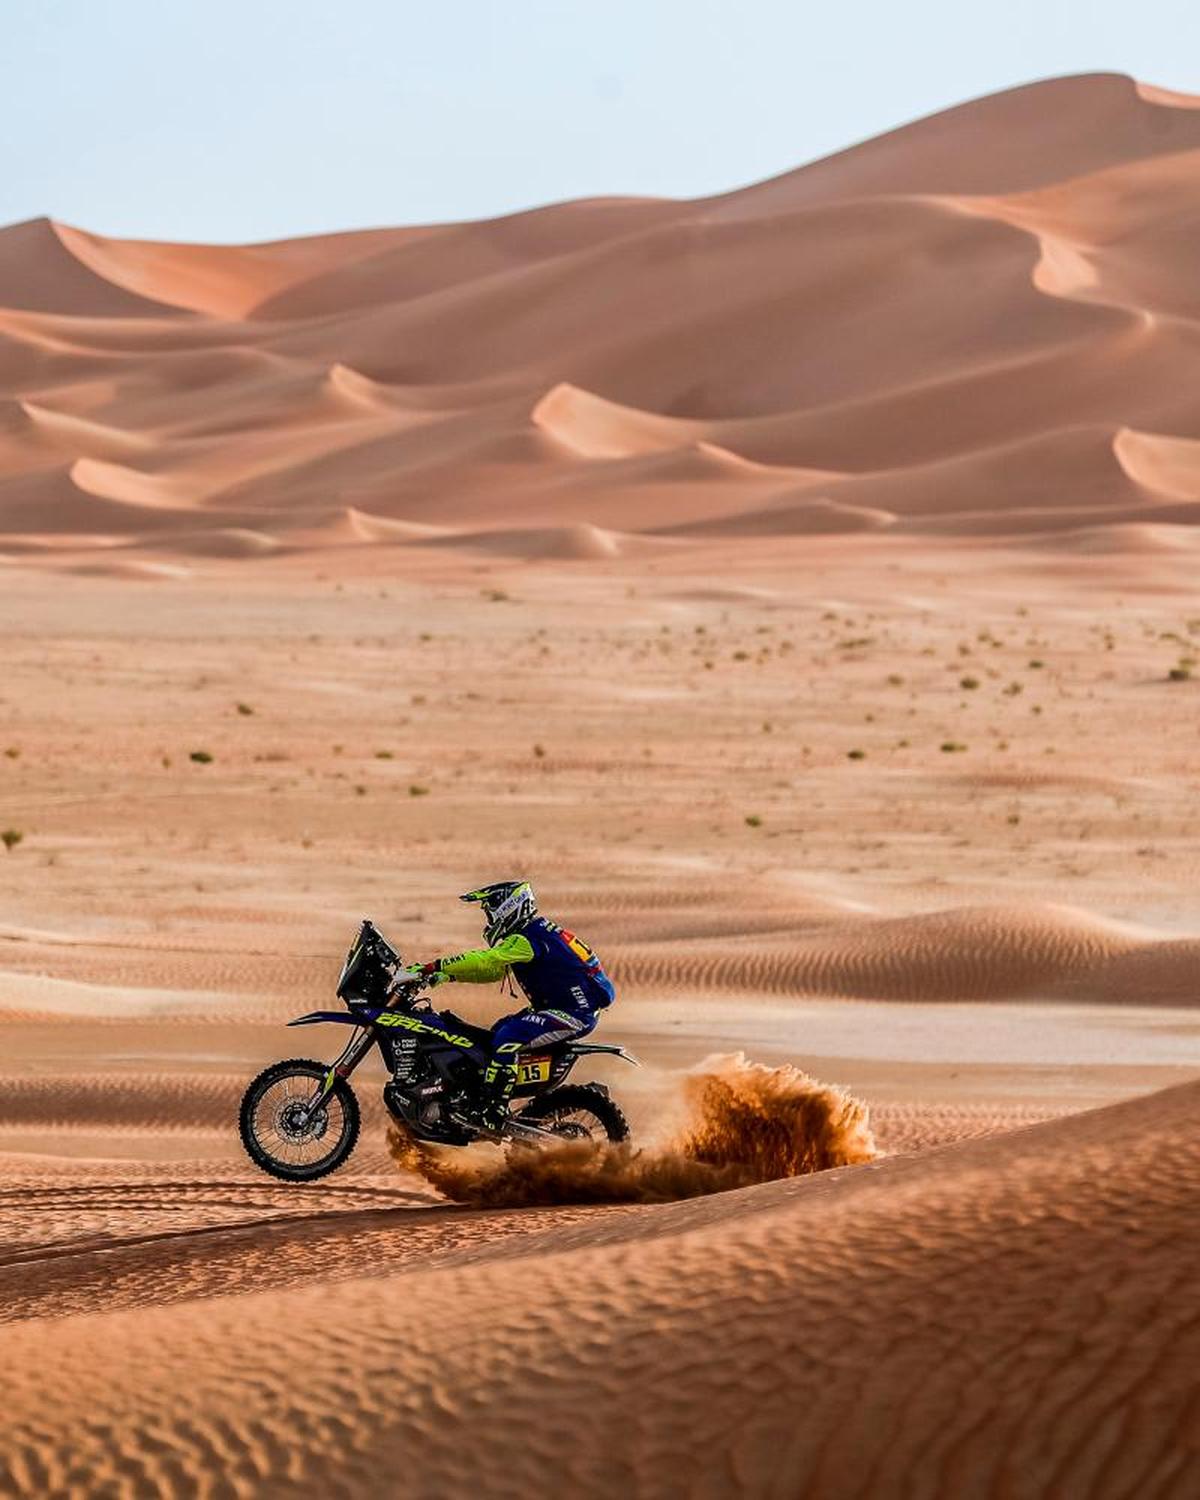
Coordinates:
[296,1127]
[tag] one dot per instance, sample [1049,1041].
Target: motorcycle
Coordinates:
[299,1119]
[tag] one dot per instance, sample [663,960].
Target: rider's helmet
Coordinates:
[507,907]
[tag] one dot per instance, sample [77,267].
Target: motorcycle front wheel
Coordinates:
[283,1135]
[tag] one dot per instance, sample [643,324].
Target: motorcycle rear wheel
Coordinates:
[273,1129]
[578,1111]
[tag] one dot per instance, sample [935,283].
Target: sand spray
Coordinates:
[742,1123]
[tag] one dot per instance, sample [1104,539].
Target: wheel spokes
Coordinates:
[288,1131]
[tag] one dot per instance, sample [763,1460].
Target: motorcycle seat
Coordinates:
[482,1035]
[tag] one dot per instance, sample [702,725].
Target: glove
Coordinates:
[420,974]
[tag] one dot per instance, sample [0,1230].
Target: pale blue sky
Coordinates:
[254,119]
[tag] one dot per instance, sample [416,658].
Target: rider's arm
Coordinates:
[486,965]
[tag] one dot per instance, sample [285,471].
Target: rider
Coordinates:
[560,975]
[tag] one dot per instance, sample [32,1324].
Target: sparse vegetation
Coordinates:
[10,838]
[968,684]
[201,757]
[753,820]
[384,755]
[418,791]
[245,710]
[952,747]
[856,755]
[539,751]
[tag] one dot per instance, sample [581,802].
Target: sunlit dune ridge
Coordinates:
[982,323]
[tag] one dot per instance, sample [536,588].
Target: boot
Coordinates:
[491,1113]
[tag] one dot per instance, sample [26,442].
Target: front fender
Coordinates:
[314,1017]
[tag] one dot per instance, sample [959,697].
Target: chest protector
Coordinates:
[563,972]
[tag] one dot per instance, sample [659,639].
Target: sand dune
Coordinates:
[926,1237]
[137,570]
[990,310]
[40,271]
[578,543]
[799,586]
[591,427]
[984,953]
[223,281]
[814,517]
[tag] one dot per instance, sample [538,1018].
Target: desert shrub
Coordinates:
[201,757]
[10,838]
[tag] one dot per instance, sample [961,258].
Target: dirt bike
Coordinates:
[299,1119]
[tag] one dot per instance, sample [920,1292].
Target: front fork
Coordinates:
[355,1050]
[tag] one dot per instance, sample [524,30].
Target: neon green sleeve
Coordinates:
[486,965]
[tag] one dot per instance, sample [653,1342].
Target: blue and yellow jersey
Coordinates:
[552,966]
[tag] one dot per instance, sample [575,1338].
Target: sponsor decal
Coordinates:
[577,946]
[410,1023]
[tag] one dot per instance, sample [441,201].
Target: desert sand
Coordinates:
[800,587]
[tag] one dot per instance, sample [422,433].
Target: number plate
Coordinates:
[533,1070]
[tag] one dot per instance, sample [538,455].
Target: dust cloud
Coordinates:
[743,1124]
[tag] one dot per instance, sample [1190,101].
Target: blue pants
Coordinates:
[529,1028]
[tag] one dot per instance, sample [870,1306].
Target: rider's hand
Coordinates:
[418,976]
